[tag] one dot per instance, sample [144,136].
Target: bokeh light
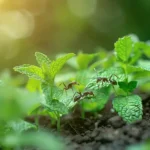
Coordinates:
[16,24]
[82,8]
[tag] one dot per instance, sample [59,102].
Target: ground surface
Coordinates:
[106,132]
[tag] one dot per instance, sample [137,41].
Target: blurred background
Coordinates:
[58,26]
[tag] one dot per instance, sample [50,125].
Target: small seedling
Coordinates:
[46,75]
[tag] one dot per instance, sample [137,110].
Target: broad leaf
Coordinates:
[21,126]
[112,74]
[123,48]
[56,106]
[40,140]
[98,102]
[42,59]
[128,87]
[83,60]
[56,65]
[139,68]
[51,92]
[137,52]
[31,71]
[129,107]
[33,85]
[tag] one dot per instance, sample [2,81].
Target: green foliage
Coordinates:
[97,73]
[123,48]
[20,126]
[55,66]
[31,71]
[14,131]
[128,107]
[96,103]
[46,74]
[84,60]
[41,140]
[128,87]
[42,59]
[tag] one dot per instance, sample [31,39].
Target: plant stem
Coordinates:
[126,75]
[82,114]
[58,123]
[82,111]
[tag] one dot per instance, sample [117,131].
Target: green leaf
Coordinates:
[132,85]
[42,59]
[40,140]
[129,107]
[140,68]
[56,65]
[98,102]
[123,48]
[137,52]
[31,71]
[56,106]
[33,85]
[128,87]
[83,60]
[51,92]
[21,126]
[114,73]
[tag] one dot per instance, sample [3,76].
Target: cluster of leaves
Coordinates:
[101,74]
[121,67]
[54,101]
[15,104]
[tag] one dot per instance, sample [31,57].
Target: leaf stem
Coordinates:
[58,123]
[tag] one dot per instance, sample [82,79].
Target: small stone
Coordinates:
[116,122]
[94,133]
[85,138]
[78,139]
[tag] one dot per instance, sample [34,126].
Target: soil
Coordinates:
[106,131]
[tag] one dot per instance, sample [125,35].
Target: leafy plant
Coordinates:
[53,102]
[15,133]
[118,70]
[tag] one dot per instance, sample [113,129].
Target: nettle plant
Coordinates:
[117,70]
[54,100]
[121,75]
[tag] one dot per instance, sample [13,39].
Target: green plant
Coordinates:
[118,69]
[125,65]
[54,101]
[15,133]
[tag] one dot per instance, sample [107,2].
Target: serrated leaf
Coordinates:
[31,71]
[51,92]
[98,102]
[141,68]
[123,48]
[128,87]
[132,85]
[56,65]
[83,60]
[137,52]
[115,74]
[56,106]
[42,59]
[21,126]
[129,107]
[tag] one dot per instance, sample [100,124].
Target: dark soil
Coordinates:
[107,131]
